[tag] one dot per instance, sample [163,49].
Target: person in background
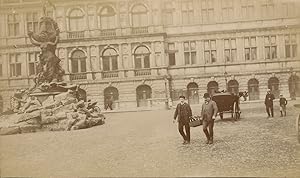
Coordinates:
[269,103]
[183,112]
[282,104]
[208,113]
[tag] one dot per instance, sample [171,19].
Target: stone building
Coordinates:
[141,53]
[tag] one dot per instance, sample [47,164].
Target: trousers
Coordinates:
[184,124]
[270,110]
[210,132]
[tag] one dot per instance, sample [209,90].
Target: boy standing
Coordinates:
[282,103]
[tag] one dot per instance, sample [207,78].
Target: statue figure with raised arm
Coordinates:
[48,68]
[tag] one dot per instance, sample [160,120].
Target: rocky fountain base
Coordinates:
[61,108]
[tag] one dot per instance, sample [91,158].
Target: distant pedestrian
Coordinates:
[269,103]
[183,112]
[208,113]
[109,103]
[282,103]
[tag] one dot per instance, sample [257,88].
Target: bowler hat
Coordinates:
[206,95]
[182,97]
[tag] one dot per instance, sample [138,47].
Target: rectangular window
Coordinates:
[289,9]
[227,10]
[190,52]
[138,62]
[106,66]
[13,25]
[15,65]
[290,45]
[270,47]
[168,13]
[114,63]
[172,59]
[146,61]
[250,48]
[171,54]
[247,9]
[32,21]
[230,50]
[267,8]
[207,11]
[33,61]
[187,12]
[210,51]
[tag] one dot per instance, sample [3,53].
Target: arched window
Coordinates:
[139,16]
[253,89]
[143,93]
[76,20]
[110,60]
[192,90]
[233,86]
[107,18]
[294,86]
[78,61]
[111,94]
[212,87]
[273,84]
[141,57]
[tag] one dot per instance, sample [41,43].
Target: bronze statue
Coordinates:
[47,38]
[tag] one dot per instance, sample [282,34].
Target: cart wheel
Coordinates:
[236,113]
[298,128]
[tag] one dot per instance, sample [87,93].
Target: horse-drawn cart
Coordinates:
[227,103]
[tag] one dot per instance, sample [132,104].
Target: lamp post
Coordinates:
[225,74]
[292,85]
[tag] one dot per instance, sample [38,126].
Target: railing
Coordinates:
[108,32]
[142,72]
[75,35]
[139,30]
[81,76]
[110,74]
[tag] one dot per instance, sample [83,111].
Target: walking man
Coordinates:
[282,103]
[183,111]
[269,103]
[208,113]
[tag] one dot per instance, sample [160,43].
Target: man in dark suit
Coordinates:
[183,111]
[269,103]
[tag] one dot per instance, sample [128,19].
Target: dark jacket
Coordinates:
[210,109]
[282,102]
[269,99]
[183,111]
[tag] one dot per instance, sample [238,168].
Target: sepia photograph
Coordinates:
[149,88]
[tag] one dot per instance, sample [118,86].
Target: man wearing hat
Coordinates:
[183,111]
[208,113]
[269,103]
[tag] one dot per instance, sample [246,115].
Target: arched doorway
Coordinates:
[233,87]
[253,89]
[273,84]
[111,94]
[212,87]
[294,86]
[143,93]
[1,104]
[192,91]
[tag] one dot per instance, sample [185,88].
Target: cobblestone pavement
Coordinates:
[148,144]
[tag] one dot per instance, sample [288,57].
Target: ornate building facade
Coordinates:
[142,53]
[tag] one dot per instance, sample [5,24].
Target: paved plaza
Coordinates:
[148,144]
